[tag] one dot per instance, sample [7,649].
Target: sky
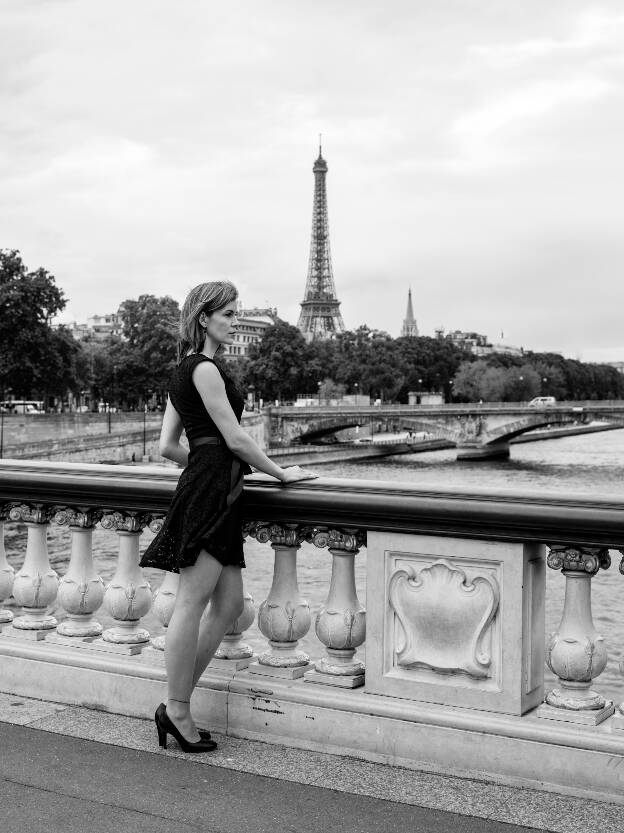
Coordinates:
[474,151]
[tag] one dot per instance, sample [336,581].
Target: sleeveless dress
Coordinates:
[205,511]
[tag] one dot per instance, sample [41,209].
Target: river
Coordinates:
[591,464]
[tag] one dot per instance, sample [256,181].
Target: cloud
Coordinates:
[478,130]
[591,29]
[148,145]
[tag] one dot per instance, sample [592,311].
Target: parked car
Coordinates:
[542,401]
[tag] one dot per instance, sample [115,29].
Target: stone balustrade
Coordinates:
[454,609]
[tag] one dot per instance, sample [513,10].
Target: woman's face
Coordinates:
[221,324]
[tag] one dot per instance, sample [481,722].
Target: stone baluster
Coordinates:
[35,586]
[164,602]
[128,596]
[7,573]
[341,622]
[577,653]
[233,653]
[81,590]
[617,722]
[284,617]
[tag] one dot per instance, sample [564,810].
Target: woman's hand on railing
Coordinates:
[292,474]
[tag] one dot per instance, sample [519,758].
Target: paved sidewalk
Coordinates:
[71,769]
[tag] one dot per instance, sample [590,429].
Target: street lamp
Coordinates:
[319,393]
[144,421]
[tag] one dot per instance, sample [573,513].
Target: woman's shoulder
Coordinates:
[191,360]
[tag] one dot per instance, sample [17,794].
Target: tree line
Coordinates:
[373,363]
[40,361]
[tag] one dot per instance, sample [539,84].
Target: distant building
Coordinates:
[409,322]
[467,341]
[477,343]
[508,349]
[252,325]
[619,366]
[97,328]
[373,334]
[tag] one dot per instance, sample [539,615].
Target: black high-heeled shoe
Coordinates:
[165,726]
[203,733]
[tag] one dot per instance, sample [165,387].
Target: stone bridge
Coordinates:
[478,431]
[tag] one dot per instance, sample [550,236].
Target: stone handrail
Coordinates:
[373,505]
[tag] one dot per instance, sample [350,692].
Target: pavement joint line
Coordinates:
[110,804]
[427,792]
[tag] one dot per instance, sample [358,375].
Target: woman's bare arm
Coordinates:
[170,433]
[211,387]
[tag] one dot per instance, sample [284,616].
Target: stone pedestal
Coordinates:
[455,622]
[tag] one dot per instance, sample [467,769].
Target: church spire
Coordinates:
[410,327]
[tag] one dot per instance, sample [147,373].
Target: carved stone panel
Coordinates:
[444,618]
[456,622]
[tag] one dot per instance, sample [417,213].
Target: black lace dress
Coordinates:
[205,512]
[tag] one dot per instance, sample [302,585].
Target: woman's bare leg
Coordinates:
[197,583]
[226,605]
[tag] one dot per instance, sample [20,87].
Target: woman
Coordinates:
[201,537]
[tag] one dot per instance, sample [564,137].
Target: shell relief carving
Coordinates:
[445,618]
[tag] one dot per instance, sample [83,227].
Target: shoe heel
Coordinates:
[162,736]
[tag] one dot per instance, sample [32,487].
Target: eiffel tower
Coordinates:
[320,310]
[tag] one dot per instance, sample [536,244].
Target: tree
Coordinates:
[328,390]
[34,360]
[144,358]
[277,366]
[521,384]
[467,381]
[428,364]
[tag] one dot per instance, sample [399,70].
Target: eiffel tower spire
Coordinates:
[320,309]
[410,327]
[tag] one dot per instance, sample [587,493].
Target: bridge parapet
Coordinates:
[454,612]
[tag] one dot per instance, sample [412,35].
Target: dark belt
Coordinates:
[197,441]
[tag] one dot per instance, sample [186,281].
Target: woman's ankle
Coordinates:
[178,708]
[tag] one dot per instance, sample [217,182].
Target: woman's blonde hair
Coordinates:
[207,297]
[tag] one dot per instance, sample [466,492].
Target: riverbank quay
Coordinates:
[464,699]
[301,455]
[568,431]
[66,769]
